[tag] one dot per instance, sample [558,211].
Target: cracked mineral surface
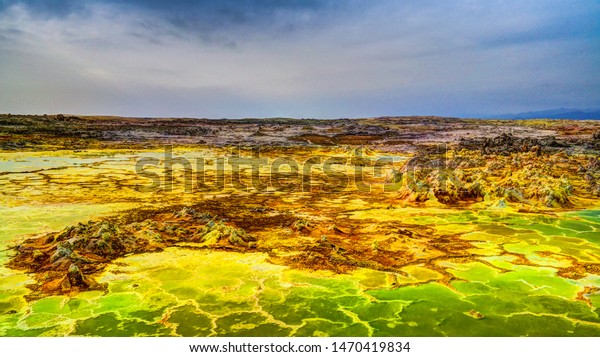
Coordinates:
[412,226]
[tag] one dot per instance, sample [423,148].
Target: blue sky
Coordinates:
[316,58]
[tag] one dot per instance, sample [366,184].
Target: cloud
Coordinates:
[46,8]
[297,58]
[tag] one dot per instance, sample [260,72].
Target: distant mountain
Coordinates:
[561,113]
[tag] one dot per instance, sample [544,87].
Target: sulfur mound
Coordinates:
[64,262]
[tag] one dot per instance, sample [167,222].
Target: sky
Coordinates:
[304,59]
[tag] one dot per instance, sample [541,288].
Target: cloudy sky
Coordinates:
[314,58]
